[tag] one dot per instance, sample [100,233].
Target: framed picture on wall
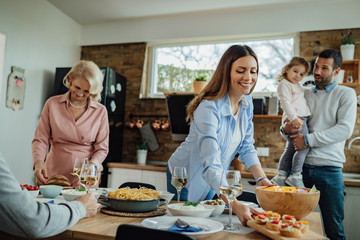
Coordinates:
[2,57]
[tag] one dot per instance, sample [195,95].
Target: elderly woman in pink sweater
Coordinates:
[72,125]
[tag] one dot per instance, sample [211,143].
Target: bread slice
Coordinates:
[273,224]
[295,233]
[288,219]
[261,218]
[304,226]
[58,180]
[287,230]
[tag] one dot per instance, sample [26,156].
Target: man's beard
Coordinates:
[325,81]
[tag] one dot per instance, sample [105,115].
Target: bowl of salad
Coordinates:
[190,209]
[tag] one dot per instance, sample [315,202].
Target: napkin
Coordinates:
[175,228]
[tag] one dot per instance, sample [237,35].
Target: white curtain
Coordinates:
[144,79]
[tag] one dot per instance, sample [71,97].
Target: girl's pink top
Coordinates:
[292,100]
[68,139]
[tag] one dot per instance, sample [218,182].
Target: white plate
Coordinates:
[165,222]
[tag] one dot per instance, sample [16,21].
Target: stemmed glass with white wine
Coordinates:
[179,180]
[79,162]
[89,175]
[231,187]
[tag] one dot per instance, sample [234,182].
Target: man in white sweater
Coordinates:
[333,115]
[21,215]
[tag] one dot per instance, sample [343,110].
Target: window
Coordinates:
[172,67]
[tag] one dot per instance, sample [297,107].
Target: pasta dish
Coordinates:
[134,193]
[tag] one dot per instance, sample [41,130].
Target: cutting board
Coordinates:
[275,235]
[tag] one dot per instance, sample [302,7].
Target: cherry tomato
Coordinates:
[284,225]
[30,188]
[36,187]
[262,216]
[25,186]
[297,225]
[276,220]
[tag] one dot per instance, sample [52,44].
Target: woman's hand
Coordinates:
[265,182]
[40,173]
[243,212]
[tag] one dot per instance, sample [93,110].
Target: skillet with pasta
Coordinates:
[134,193]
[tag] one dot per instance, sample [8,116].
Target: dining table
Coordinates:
[104,226]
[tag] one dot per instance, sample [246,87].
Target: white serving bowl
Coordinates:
[166,195]
[219,209]
[201,210]
[33,193]
[72,194]
[50,191]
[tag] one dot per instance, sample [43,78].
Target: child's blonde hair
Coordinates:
[294,61]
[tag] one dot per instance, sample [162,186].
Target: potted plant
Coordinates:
[347,46]
[141,153]
[199,83]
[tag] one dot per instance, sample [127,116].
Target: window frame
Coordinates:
[148,86]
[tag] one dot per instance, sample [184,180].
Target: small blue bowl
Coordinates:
[50,191]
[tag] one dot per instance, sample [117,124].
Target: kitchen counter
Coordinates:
[103,226]
[350,180]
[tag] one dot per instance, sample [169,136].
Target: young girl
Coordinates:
[293,103]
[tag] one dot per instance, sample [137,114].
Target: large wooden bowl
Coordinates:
[296,204]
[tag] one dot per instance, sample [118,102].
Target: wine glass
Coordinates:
[89,175]
[230,187]
[179,180]
[79,162]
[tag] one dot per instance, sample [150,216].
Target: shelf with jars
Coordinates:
[352,73]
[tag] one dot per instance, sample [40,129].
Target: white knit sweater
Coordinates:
[332,121]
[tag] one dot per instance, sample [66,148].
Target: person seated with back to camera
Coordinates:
[23,216]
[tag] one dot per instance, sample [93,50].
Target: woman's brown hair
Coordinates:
[293,62]
[220,81]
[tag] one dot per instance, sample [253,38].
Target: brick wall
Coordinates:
[128,59]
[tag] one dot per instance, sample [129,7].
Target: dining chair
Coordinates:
[137,185]
[248,196]
[131,232]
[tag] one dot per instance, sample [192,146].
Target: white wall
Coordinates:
[39,38]
[283,18]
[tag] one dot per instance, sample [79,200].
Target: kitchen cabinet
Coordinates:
[352,212]
[118,176]
[351,67]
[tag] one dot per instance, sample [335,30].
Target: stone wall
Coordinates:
[128,59]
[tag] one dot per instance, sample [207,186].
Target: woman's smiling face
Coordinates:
[243,75]
[80,90]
